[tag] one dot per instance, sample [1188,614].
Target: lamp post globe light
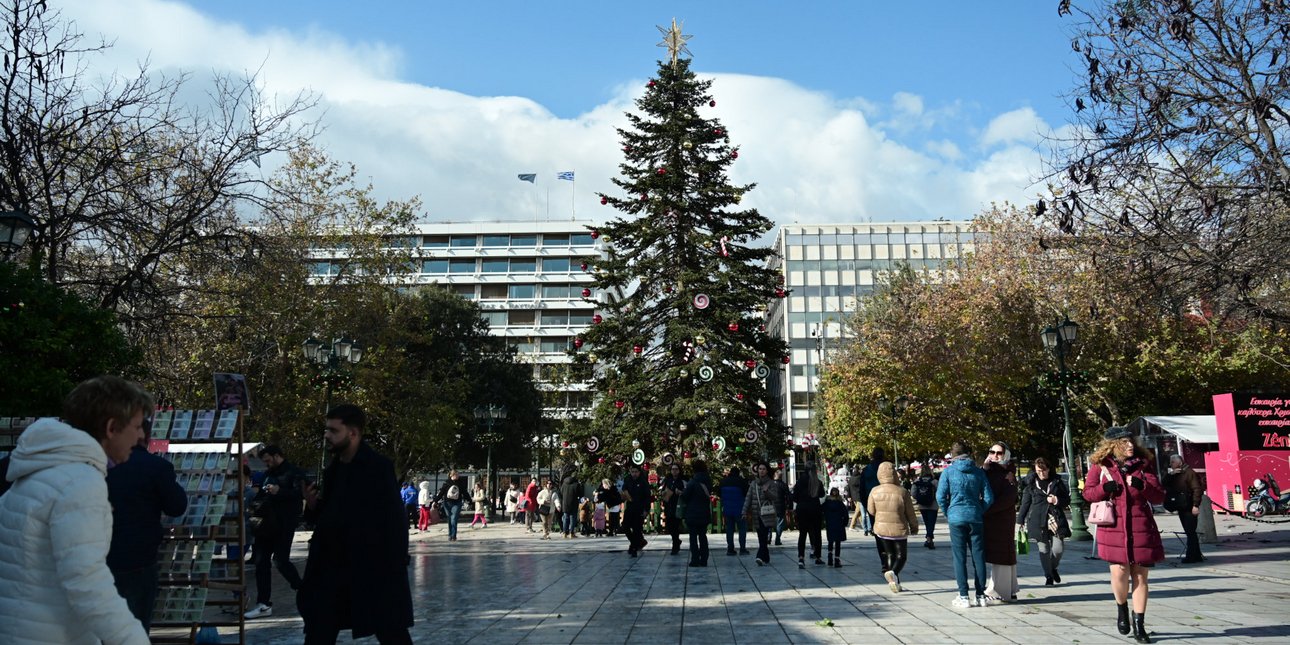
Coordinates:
[894,409]
[1058,339]
[330,360]
[15,227]
[489,414]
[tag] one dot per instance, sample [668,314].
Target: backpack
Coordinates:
[454,492]
[924,492]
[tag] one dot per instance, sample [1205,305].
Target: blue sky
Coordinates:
[846,110]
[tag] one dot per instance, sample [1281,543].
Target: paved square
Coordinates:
[501,585]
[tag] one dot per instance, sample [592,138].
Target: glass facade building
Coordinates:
[826,269]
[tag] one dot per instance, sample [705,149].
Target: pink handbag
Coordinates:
[1102,513]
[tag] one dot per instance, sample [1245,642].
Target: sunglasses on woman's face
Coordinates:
[996,452]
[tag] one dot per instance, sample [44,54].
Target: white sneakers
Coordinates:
[260,611]
[892,581]
[982,601]
[962,602]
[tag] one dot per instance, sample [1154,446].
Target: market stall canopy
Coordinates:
[1194,428]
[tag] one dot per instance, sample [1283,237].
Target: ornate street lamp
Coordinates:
[15,228]
[330,359]
[1058,339]
[894,409]
[490,414]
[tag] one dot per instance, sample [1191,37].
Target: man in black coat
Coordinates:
[281,496]
[570,497]
[140,490]
[356,577]
[637,495]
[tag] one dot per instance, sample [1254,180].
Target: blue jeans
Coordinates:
[139,588]
[453,511]
[779,527]
[569,523]
[967,539]
[731,522]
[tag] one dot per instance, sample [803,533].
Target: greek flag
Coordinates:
[567,175]
[529,177]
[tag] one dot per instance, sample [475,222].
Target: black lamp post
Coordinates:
[330,359]
[894,409]
[1058,338]
[489,414]
[15,228]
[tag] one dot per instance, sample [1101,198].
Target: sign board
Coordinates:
[1262,421]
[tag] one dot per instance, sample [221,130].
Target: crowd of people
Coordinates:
[84,568]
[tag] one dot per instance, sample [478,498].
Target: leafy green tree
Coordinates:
[680,288]
[50,340]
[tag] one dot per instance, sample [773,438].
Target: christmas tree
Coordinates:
[679,340]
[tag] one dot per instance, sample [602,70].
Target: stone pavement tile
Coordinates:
[602,636]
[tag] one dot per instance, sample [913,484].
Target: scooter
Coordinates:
[1266,498]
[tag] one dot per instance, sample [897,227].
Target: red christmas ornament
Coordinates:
[584,266]
[619,404]
[686,454]
[662,171]
[712,103]
[595,233]
[733,326]
[785,360]
[667,289]
[577,342]
[564,444]
[739,396]
[637,349]
[586,293]
[717,132]
[734,154]
[780,293]
[644,197]
[761,327]
[645,466]
[596,319]
[600,460]
[627,148]
[603,200]
[650,84]
[761,412]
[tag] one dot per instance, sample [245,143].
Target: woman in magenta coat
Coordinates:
[1121,471]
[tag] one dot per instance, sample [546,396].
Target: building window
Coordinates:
[522,291]
[581,239]
[555,265]
[461,266]
[462,241]
[494,265]
[556,345]
[434,241]
[555,318]
[554,291]
[492,292]
[523,317]
[800,399]
[524,241]
[466,291]
[523,265]
[496,241]
[438,267]
[580,317]
[323,268]
[494,318]
[555,239]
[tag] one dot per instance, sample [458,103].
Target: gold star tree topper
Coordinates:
[674,41]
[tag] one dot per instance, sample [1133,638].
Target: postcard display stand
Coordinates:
[198,587]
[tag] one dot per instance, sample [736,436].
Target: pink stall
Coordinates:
[1253,442]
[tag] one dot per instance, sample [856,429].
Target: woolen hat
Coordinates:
[1118,433]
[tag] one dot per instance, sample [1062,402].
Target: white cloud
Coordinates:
[1017,126]
[815,158]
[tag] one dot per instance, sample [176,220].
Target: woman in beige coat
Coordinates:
[894,519]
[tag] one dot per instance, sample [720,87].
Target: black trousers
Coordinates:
[674,529]
[633,528]
[698,544]
[763,539]
[276,549]
[1189,523]
[929,523]
[892,553]
[808,525]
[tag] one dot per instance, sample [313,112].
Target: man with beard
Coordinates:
[356,576]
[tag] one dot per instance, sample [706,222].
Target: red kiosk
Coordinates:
[1253,441]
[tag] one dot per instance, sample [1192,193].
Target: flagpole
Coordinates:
[573,198]
[548,203]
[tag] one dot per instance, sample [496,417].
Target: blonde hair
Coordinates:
[1109,447]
